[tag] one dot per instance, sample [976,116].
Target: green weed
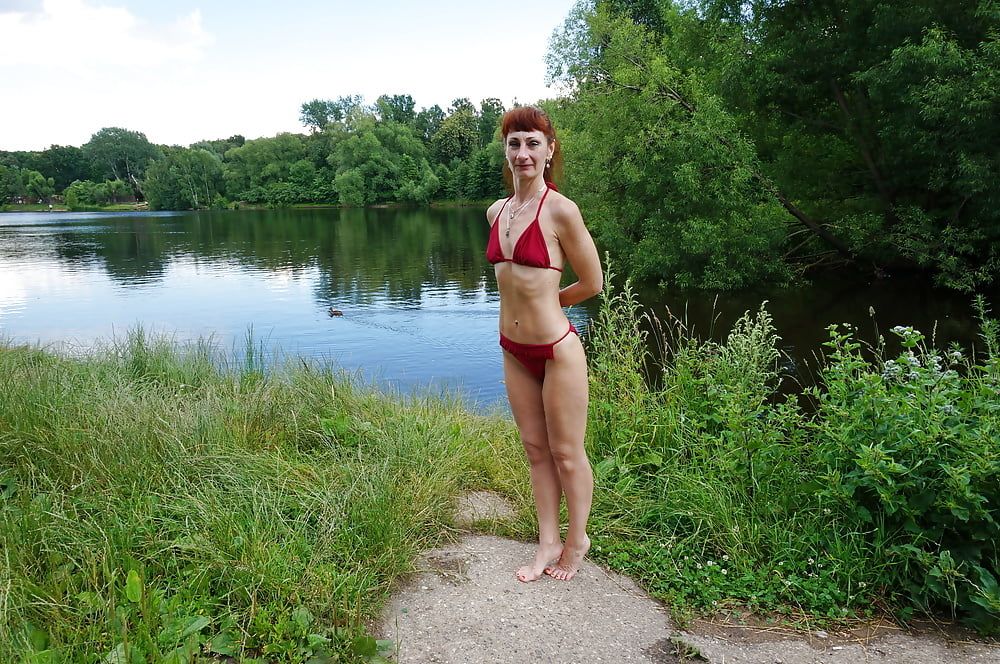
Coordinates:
[713,490]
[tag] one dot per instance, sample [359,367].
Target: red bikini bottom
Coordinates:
[534,356]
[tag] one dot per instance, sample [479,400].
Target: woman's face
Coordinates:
[527,152]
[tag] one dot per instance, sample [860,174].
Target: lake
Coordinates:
[418,298]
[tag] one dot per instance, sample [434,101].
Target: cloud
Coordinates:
[78,37]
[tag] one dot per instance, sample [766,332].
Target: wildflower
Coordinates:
[811,561]
[725,556]
[955,356]
[725,571]
[862,585]
[890,370]
[710,563]
[698,565]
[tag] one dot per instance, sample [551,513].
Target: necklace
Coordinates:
[513,212]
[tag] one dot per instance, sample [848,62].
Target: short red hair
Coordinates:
[531,118]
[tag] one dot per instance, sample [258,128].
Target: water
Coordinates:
[419,300]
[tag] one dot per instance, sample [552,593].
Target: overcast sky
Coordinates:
[181,71]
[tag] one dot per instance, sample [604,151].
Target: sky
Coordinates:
[184,71]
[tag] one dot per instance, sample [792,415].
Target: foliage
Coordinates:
[666,178]
[87,193]
[354,154]
[183,180]
[120,154]
[906,450]
[24,184]
[857,134]
[716,492]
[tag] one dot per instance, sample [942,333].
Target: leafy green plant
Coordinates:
[906,448]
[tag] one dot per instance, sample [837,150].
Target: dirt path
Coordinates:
[463,605]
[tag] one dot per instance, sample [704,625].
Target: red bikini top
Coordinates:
[530,248]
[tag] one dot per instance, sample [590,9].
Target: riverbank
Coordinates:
[44,207]
[160,499]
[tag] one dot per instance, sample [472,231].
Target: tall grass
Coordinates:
[718,492]
[155,505]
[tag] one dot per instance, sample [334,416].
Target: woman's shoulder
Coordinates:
[493,210]
[562,207]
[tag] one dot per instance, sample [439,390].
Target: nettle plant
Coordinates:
[908,449]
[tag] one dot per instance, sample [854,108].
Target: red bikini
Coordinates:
[529,250]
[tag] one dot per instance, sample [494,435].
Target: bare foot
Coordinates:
[569,562]
[544,555]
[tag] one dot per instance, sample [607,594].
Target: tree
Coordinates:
[868,125]
[461,104]
[666,178]
[396,108]
[319,113]
[427,122]
[120,154]
[491,110]
[37,186]
[458,136]
[219,147]
[258,163]
[64,164]
[184,179]
[11,184]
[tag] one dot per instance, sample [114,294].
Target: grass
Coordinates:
[155,505]
[31,207]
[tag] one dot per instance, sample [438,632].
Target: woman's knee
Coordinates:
[569,458]
[536,449]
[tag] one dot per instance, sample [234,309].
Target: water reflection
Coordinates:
[418,297]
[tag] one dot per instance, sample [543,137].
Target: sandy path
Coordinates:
[463,605]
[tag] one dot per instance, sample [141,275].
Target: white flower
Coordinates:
[725,571]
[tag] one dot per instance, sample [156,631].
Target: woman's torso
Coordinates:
[529,294]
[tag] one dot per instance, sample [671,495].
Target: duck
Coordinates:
[335,312]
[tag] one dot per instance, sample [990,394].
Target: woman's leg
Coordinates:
[525,395]
[564,399]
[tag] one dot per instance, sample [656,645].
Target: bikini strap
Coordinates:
[497,218]
[539,210]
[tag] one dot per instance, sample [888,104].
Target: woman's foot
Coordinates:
[544,556]
[569,561]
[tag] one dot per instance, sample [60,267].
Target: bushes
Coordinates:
[712,489]
[907,450]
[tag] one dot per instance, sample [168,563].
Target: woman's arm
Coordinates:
[581,253]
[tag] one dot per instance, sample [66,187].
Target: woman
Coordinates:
[533,233]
